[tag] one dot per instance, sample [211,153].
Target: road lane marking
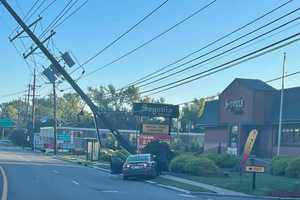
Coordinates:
[187,195]
[75,182]
[5,184]
[55,171]
[110,191]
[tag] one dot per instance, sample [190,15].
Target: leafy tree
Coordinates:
[191,112]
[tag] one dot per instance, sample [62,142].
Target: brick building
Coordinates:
[252,104]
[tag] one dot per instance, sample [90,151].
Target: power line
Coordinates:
[271,80]
[285,76]
[122,35]
[58,17]
[13,94]
[48,6]
[151,40]
[218,48]
[71,14]
[26,15]
[224,66]
[208,45]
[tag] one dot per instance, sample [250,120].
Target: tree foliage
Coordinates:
[191,113]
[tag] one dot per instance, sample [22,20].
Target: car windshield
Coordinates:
[138,158]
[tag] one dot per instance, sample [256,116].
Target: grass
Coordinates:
[265,183]
[184,186]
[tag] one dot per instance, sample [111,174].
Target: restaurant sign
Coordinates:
[235,106]
[156,110]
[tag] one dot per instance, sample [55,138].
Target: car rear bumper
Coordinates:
[139,172]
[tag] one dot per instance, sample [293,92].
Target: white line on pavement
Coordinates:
[5,184]
[110,191]
[55,171]
[75,182]
[187,195]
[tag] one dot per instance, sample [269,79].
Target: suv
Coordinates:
[142,165]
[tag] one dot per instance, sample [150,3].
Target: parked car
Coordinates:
[140,165]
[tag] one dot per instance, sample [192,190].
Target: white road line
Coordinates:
[5,184]
[110,191]
[55,171]
[151,182]
[75,182]
[187,195]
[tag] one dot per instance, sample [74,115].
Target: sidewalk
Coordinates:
[212,188]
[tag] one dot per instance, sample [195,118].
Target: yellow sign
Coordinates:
[258,169]
[249,145]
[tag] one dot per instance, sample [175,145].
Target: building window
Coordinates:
[291,136]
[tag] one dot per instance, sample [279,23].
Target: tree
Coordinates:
[191,113]
[162,152]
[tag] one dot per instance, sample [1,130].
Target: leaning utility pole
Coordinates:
[56,66]
[54,118]
[281,106]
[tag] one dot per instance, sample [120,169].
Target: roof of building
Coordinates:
[291,105]
[210,114]
[255,84]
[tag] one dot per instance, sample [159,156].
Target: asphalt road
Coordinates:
[35,177]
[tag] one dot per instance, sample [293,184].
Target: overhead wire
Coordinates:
[218,48]
[208,45]
[151,40]
[122,35]
[225,66]
[70,15]
[58,17]
[268,81]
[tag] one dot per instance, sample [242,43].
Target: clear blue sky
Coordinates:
[99,22]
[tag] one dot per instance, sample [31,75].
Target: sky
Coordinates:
[100,22]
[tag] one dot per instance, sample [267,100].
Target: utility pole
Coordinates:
[57,67]
[281,106]
[27,104]
[54,118]
[33,108]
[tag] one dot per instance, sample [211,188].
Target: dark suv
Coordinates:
[140,165]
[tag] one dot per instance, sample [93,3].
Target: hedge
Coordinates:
[223,160]
[201,167]
[178,163]
[279,165]
[293,168]
[189,164]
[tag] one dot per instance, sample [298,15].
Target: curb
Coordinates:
[187,191]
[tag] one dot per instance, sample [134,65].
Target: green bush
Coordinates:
[293,168]
[223,160]
[279,165]
[178,163]
[17,136]
[105,156]
[201,167]
[190,164]
[118,158]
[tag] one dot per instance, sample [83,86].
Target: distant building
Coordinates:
[248,104]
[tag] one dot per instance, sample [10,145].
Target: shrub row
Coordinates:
[189,164]
[286,166]
[223,160]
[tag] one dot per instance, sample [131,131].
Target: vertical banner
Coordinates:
[248,146]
